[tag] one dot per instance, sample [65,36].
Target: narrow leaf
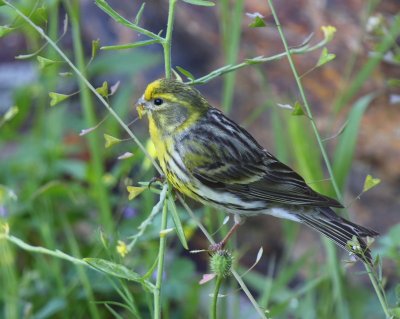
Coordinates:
[65,24]
[370,182]
[165,232]
[11,112]
[200,3]
[129,45]
[65,74]
[87,130]
[259,255]
[325,57]
[111,140]
[4,30]
[114,88]
[206,278]
[186,73]
[139,14]
[95,47]
[285,106]
[177,222]
[113,269]
[125,155]
[347,141]
[56,98]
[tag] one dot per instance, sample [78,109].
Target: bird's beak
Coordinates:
[141,107]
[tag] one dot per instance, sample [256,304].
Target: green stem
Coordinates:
[168,38]
[97,160]
[232,40]
[81,271]
[88,84]
[378,289]
[257,60]
[160,267]
[305,101]
[125,22]
[248,293]
[215,297]
[336,277]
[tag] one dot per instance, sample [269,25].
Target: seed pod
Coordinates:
[221,263]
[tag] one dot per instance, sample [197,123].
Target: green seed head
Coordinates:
[221,263]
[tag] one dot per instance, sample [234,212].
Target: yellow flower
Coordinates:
[122,249]
[329,32]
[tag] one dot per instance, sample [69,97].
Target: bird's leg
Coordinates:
[160,178]
[219,246]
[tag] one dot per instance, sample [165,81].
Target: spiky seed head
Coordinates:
[221,263]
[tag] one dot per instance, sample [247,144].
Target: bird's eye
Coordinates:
[158,101]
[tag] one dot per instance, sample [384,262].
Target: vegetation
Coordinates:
[83,232]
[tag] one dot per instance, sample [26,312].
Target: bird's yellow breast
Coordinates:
[159,143]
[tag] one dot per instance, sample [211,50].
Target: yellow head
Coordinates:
[171,104]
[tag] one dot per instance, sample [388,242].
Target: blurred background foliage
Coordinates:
[64,191]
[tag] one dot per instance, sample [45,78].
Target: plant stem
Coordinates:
[378,289]
[248,293]
[88,84]
[160,267]
[305,101]
[97,161]
[231,41]
[168,38]
[336,278]
[215,297]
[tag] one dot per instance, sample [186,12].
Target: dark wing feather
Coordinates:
[240,165]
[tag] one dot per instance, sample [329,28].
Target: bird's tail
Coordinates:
[340,230]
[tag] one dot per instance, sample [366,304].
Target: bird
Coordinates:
[208,157]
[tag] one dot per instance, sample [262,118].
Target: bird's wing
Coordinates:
[219,159]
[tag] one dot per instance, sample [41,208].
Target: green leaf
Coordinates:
[139,14]
[11,112]
[113,269]
[103,90]
[95,47]
[325,57]
[257,22]
[370,182]
[4,30]
[56,98]
[177,222]
[200,3]
[44,62]
[347,141]
[297,109]
[129,45]
[186,73]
